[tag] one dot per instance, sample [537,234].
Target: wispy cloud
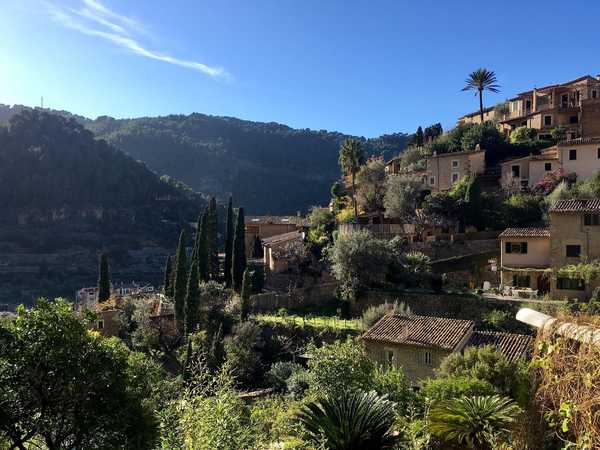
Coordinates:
[95,19]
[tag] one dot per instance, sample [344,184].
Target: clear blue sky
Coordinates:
[361,67]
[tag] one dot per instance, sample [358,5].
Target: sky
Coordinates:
[360,67]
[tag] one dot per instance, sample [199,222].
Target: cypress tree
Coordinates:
[103,278]
[192,300]
[228,244]
[419,137]
[211,240]
[168,281]
[473,203]
[201,250]
[245,295]
[180,283]
[239,251]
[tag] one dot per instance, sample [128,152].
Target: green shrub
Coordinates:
[297,384]
[395,386]
[452,387]
[373,313]
[279,374]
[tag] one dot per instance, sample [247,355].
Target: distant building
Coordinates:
[88,296]
[418,344]
[263,227]
[475,117]
[446,169]
[280,250]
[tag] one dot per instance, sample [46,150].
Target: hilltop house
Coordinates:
[532,257]
[418,344]
[574,105]
[475,117]
[580,157]
[280,251]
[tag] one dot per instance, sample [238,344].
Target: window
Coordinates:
[598,152]
[427,359]
[591,220]
[521,281]
[516,171]
[564,100]
[570,284]
[574,119]
[572,136]
[431,181]
[594,93]
[547,120]
[455,163]
[573,251]
[516,247]
[547,167]
[101,324]
[455,177]
[572,155]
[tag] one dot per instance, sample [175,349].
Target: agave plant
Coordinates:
[352,421]
[473,421]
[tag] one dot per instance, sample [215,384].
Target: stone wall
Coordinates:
[298,298]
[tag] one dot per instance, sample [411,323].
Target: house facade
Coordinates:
[446,169]
[580,157]
[533,257]
[279,250]
[475,117]
[574,106]
[418,344]
[263,227]
[525,258]
[575,231]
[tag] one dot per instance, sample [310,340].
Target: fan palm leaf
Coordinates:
[479,81]
[353,421]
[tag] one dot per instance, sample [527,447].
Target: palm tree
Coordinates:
[473,421]
[479,81]
[352,156]
[355,420]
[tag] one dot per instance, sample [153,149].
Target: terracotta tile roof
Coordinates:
[525,232]
[280,238]
[512,346]
[476,113]
[422,331]
[275,220]
[577,206]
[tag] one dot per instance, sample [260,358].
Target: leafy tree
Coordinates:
[103,279]
[192,300]
[418,138]
[476,422]
[521,210]
[350,421]
[523,135]
[245,295]
[432,132]
[243,353]
[352,157]
[64,387]
[339,367]
[168,278]
[394,384]
[371,187]
[486,135]
[447,388]
[357,260]
[180,284]
[403,195]
[472,203]
[239,251]
[229,230]
[212,240]
[479,81]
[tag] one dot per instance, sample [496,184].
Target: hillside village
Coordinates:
[447,297]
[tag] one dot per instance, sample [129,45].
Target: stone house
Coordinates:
[489,114]
[418,344]
[575,238]
[446,169]
[263,227]
[525,258]
[574,106]
[580,157]
[278,251]
[533,257]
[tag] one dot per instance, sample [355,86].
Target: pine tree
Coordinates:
[229,243]
[245,295]
[192,300]
[239,251]
[201,247]
[180,283]
[212,240]
[419,137]
[168,280]
[103,278]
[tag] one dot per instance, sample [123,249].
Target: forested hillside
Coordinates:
[267,167]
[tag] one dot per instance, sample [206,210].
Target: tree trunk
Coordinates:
[354,198]
[481,104]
